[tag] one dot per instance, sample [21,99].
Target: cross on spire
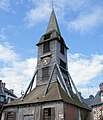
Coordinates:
[52,4]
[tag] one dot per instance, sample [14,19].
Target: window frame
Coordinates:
[51,115]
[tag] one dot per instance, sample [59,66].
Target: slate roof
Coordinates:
[55,93]
[9,92]
[3,92]
[53,29]
[97,99]
[53,24]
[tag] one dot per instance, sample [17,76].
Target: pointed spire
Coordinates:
[53,24]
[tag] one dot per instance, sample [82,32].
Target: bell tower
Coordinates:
[53,98]
[51,50]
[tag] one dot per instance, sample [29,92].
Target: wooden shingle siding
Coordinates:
[41,114]
[52,113]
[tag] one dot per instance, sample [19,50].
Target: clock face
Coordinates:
[46,60]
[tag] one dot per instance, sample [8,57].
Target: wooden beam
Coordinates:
[30,85]
[67,90]
[47,87]
[60,83]
[74,86]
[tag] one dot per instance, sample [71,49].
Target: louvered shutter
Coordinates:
[45,72]
[10,116]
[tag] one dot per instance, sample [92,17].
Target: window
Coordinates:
[62,64]
[62,48]
[48,114]
[46,47]
[45,72]
[47,36]
[11,115]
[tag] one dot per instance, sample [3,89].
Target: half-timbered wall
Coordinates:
[96,112]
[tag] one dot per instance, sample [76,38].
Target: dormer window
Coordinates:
[47,36]
[46,47]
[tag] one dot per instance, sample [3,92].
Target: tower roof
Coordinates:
[56,93]
[53,24]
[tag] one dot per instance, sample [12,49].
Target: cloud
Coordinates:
[14,71]
[83,70]
[18,74]
[6,53]
[5,5]
[2,34]
[38,14]
[88,21]
[83,15]
[87,91]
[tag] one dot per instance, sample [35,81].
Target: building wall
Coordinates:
[69,111]
[96,112]
[34,111]
[75,113]
[55,56]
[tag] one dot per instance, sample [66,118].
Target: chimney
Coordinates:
[0,83]
[101,86]
[12,91]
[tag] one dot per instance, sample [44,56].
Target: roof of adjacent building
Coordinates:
[89,100]
[4,91]
[55,93]
[97,99]
[9,92]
